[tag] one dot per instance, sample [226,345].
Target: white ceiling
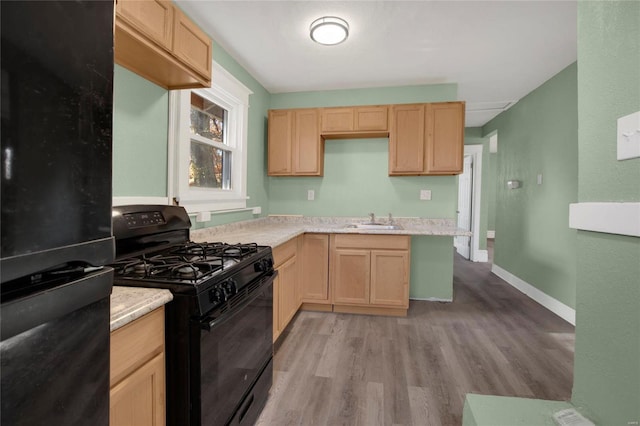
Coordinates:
[496,51]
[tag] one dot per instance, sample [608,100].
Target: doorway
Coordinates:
[465,206]
[469,202]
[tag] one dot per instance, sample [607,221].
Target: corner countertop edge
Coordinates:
[130,303]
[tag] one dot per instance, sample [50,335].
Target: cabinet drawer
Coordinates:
[390,242]
[136,343]
[284,252]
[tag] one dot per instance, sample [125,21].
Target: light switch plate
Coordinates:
[311,195]
[425,194]
[629,136]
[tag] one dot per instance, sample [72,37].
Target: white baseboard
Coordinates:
[563,311]
[431,299]
[491,234]
[481,256]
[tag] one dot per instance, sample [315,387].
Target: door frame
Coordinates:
[463,243]
[476,255]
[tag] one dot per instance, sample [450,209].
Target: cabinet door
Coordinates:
[315,268]
[287,292]
[390,278]
[152,18]
[191,44]
[307,144]
[139,398]
[445,137]
[337,119]
[351,277]
[406,140]
[372,118]
[279,151]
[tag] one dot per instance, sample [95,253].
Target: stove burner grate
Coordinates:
[186,262]
[217,249]
[167,267]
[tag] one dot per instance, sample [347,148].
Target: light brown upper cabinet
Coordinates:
[445,138]
[365,121]
[191,44]
[406,139]
[157,41]
[426,139]
[295,144]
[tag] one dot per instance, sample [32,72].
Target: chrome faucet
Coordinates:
[390,219]
[372,218]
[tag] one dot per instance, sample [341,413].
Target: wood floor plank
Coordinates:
[424,410]
[343,369]
[375,404]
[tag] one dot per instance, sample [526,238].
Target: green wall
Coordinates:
[539,135]
[607,358]
[140,126]
[140,123]
[356,182]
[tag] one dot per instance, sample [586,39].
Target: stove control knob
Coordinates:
[230,287]
[217,295]
[258,267]
[268,263]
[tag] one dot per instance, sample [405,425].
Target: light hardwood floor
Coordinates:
[341,369]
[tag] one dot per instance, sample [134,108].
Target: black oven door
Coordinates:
[236,347]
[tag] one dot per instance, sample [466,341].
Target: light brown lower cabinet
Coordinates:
[137,373]
[286,292]
[366,274]
[314,273]
[370,273]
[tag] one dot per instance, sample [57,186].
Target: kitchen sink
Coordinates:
[380,226]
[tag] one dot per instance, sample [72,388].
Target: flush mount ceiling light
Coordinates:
[329,30]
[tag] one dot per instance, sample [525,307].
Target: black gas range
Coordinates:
[218,326]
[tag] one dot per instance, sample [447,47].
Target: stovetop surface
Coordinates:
[190,264]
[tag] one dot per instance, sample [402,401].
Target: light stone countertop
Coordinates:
[276,230]
[131,303]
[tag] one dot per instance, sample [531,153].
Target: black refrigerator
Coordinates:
[56,114]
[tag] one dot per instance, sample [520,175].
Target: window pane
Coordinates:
[207,118]
[209,167]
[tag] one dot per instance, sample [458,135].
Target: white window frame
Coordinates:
[229,93]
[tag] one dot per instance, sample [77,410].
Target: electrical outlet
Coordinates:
[425,194]
[257,210]
[540,179]
[311,195]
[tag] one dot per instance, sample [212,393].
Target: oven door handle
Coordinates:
[210,323]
